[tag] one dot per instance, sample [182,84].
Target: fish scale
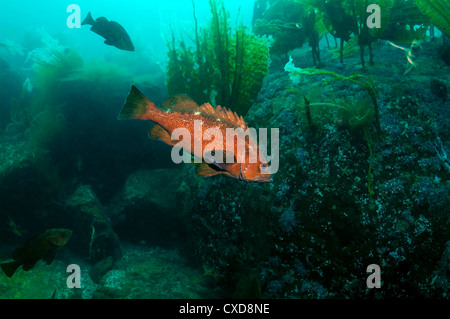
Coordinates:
[180,111]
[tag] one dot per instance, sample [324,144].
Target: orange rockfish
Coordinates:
[242,160]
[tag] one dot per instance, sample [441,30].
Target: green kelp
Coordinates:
[406,23]
[351,113]
[314,29]
[365,82]
[438,12]
[282,21]
[301,20]
[356,115]
[226,66]
[99,74]
[336,20]
[51,64]
[348,20]
[350,17]
[360,15]
[350,48]
[39,112]
[13,47]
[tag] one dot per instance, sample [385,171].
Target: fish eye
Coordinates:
[263,165]
[63,234]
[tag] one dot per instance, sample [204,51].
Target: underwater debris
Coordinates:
[113,32]
[442,155]
[409,54]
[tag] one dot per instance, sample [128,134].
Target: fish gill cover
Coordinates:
[364,123]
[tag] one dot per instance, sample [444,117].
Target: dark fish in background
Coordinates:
[113,32]
[43,246]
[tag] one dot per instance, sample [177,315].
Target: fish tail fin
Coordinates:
[137,106]
[10,268]
[88,20]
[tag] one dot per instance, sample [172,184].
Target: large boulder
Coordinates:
[149,207]
[92,230]
[27,181]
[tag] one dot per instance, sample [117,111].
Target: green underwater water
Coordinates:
[363,173]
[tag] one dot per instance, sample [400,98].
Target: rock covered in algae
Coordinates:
[154,273]
[148,207]
[93,231]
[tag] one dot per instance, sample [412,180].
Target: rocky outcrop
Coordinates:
[149,207]
[93,233]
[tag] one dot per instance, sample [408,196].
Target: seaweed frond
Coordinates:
[226,66]
[438,11]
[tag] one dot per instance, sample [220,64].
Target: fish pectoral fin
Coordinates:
[28,266]
[218,157]
[48,259]
[204,169]
[158,132]
[10,268]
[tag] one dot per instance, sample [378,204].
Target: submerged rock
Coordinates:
[343,197]
[92,229]
[148,208]
[47,282]
[154,273]
[101,268]
[27,181]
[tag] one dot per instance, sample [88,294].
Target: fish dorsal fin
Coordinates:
[225,114]
[181,102]
[208,108]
